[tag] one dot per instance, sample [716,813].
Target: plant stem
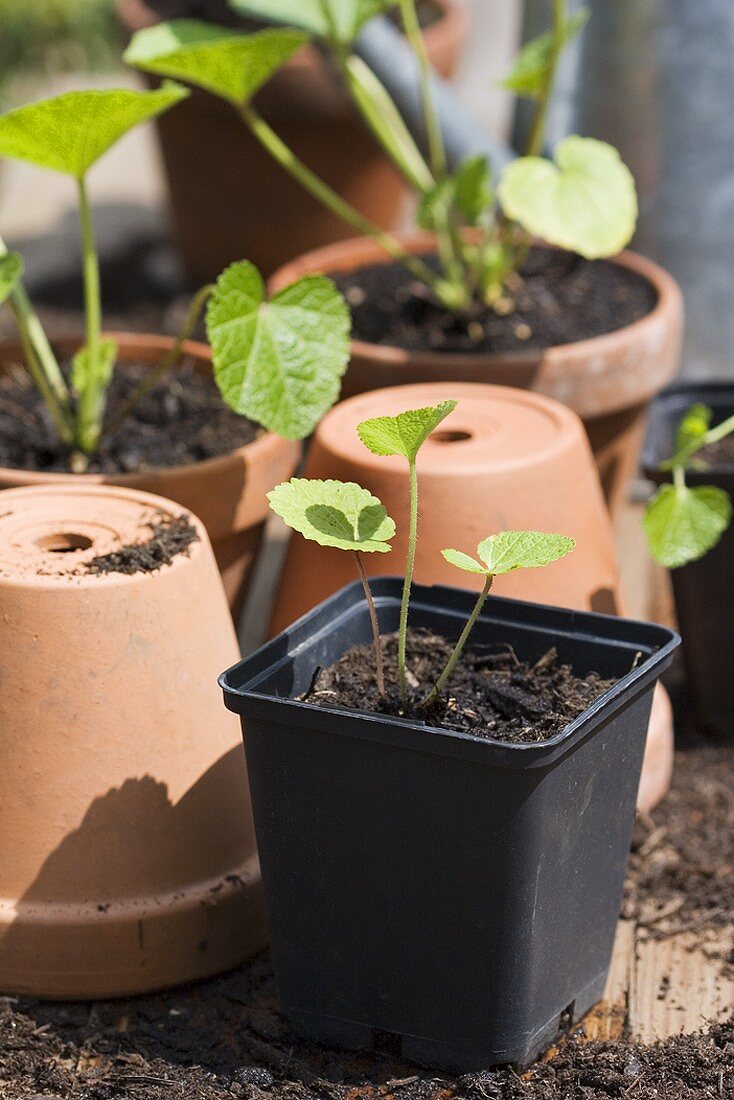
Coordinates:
[458,648]
[379,663]
[536,137]
[167,362]
[413,33]
[91,400]
[409,568]
[679,477]
[338,206]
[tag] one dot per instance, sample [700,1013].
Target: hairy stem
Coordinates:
[413,33]
[92,398]
[407,582]
[170,360]
[379,663]
[459,647]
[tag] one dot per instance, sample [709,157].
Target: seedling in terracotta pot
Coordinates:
[683,523]
[583,200]
[277,361]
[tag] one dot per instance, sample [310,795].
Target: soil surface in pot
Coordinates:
[560,299]
[171,536]
[219,11]
[181,420]
[225,1037]
[492,693]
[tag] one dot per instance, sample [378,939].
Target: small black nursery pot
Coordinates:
[704,589]
[452,895]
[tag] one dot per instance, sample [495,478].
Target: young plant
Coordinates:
[343,515]
[404,435]
[584,200]
[277,361]
[681,523]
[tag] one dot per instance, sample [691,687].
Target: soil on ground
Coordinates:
[182,419]
[170,536]
[559,299]
[491,693]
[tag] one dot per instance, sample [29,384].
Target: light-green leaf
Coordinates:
[405,433]
[693,426]
[511,550]
[81,374]
[231,65]
[340,20]
[534,62]
[585,202]
[683,524]
[280,361]
[466,194]
[334,513]
[70,132]
[11,272]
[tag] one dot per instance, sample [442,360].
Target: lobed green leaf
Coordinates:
[339,20]
[683,524]
[340,514]
[279,362]
[405,433]
[585,202]
[11,272]
[534,62]
[511,550]
[70,132]
[231,65]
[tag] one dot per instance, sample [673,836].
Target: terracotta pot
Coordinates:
[504,459]
[244,204]
[227,493]
[129,859]
[608,380]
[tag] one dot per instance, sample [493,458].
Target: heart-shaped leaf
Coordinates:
[334,513]
[339,20]
[511,550]
[683,524]
[405,433]
[585,202]
[533,64]
[231,65]
[70,132]
[279,362]
[11,272]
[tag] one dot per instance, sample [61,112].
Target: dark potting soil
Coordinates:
[491,693]
[181,420]
[560,299]
[171,536]
[719,454]
[219,11]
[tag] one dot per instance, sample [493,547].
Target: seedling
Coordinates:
[345,516]
[681,523]
[584,200]
[279,362]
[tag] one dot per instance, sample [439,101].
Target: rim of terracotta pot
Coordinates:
[146,348]
[567,361]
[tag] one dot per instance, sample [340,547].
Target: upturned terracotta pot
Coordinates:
[244,204]
[129,859]
[505,459]
[608,380]
[227,492]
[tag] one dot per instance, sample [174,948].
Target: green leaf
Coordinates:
[683,524]
[473,190]
[534,63]
[405,433]
[693,426]
[81,375]
[70,132]
[11,272]
[279,362]
[231,65]
[511,550]
[585,202]
[340,20]
[334,513]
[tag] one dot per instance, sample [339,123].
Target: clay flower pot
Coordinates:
[227,492]
[260,212]
[504,459]
[129,859]
[608,380]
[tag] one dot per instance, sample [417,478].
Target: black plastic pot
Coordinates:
[703,590]
[453,896]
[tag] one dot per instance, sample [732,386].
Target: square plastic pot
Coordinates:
[457,894]
[704,589]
